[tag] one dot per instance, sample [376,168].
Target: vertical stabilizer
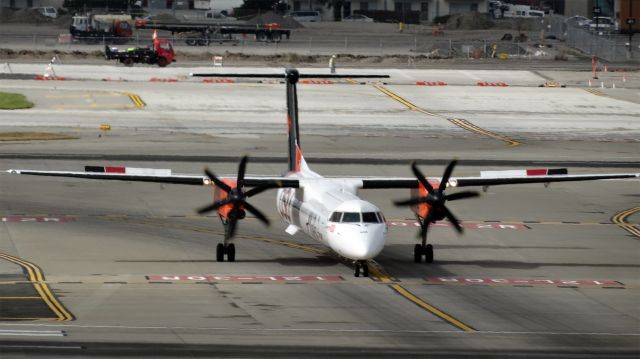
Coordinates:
[296,161]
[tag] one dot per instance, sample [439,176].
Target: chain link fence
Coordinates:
[607,44]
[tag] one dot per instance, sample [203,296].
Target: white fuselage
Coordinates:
[330,212]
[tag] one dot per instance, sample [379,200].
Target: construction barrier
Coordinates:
[159,79]
[317,82]
[218,81]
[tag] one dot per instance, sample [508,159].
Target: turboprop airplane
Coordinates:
[328,209]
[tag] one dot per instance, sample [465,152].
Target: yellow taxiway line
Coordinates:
[620,219]
[462,123]
[137,101]
[36,278]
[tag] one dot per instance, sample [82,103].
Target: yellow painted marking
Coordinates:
[12,298]
[431,309]
[462,123]
[137,101]
[352,81]
[620,219]
[597,92]
[36,278]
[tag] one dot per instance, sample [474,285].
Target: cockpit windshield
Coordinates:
[356,217]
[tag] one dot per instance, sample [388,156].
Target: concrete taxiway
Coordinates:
[131,269]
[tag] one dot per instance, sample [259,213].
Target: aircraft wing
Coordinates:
[494,178]
[155,175]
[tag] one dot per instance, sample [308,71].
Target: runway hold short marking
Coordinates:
[38,219]
[465,225]
[589,283]
[245,278]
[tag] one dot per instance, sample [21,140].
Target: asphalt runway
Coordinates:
[123,269]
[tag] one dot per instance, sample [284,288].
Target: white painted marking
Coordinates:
[227,329]
[32,333]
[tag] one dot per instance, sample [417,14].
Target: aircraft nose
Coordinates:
[360,243]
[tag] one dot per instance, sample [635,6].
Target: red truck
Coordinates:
[161,53]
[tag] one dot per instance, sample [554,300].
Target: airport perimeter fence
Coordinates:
[607,44]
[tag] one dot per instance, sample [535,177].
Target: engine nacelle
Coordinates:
[422,210]
[220,195]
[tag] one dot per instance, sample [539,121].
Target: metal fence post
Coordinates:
[346,43]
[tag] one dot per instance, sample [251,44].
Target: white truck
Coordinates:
[224,7]
[521,11]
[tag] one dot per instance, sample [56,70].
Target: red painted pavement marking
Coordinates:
[499,84]
[317,82]
[524,281]
[465,225]
[218,81]
[431,83]
[47,219]
[240,278]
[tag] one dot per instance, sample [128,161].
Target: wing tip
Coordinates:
[12,171]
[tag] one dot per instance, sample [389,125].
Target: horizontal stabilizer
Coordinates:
[302,76]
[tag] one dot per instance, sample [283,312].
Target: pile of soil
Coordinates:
[469,21]
[164,18]
[271,17]
[26,16]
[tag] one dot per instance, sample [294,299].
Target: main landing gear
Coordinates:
[361,266]
[227,247]
[424,249]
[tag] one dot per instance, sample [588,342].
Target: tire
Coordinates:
[162,62]
[128,62]
[365,270]
[202,42]
[261,36]
[231,252]
[428,253]
[357,274]
[276,37]
[220,252]
[417,253]
[191,42]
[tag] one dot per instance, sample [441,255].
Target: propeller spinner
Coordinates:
[236,198]
[436,199]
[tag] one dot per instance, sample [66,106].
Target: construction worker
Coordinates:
[332,64]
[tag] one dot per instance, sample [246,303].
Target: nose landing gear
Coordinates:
[361,266]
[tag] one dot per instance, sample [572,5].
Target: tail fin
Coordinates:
[295,153]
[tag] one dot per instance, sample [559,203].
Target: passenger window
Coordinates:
[335,217]
[351,217]
[369,217]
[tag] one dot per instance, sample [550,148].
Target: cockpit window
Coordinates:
[351,217]
[381,217]
[370,217]
[335,217]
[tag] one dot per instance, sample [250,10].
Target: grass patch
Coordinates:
[34,136]
[13,101]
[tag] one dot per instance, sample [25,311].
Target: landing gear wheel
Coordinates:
[365,270]
[428,253]
[220,252]
[417,253]
[128,62]
[231,252]
[357,274]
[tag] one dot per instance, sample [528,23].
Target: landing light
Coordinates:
[452,183]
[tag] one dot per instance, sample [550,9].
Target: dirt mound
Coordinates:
[469,21]
[163,18]
[26,16]
[271,17]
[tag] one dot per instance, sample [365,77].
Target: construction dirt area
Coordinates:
[467,40]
